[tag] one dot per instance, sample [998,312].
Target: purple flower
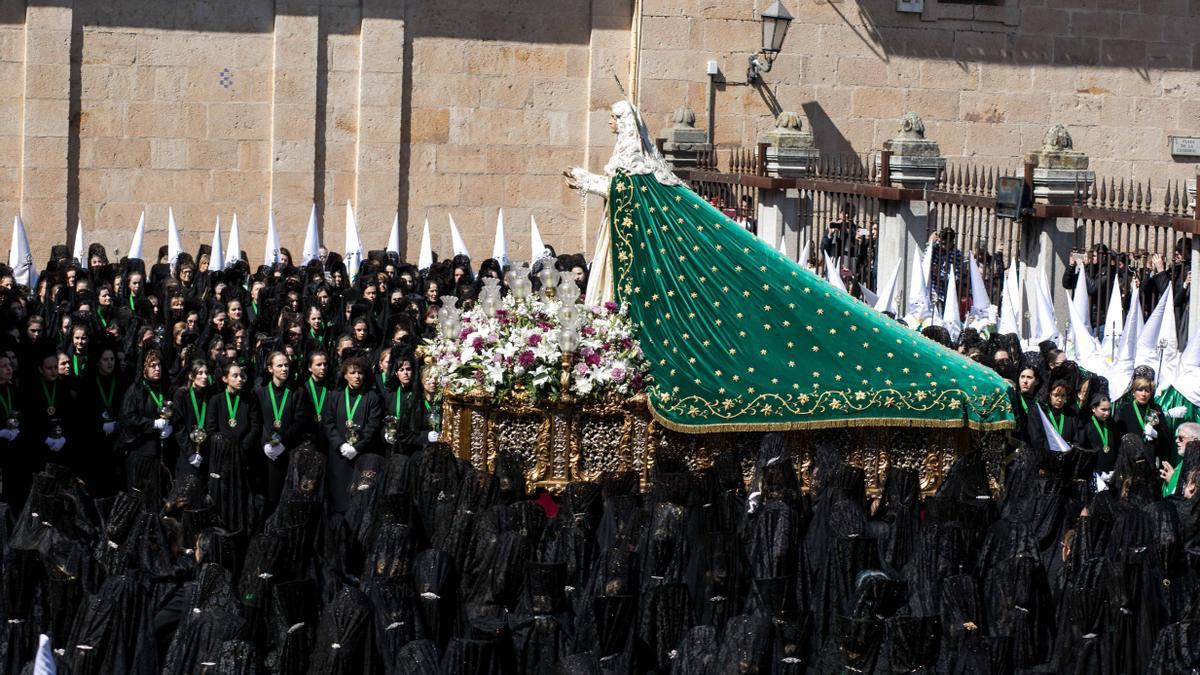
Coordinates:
[588,330]
[611,307]
[626,343]
[585,352]
[526,359]
[618,374]
[535,339]
[581,369]
[592,359]
[636,381]
[462,335]
[544,325]
[477,343]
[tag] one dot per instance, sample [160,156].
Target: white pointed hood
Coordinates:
[20,257]
[1043,324]
[271,243]
[393,245]
[918,312]
[782,247]
[886,300]
[1010,303]
[216,258]
[1114,322]
[982,313]
[537,246]
[500,244]
[804,252]
[80,251]
[951,314]
[353,254]
[312,239]
[456,239]
[1082,302]
[233,252]
[1120,373]
[1158,343]
[43,660]
[1085,347]
[139,238]
[425,258]
[174,244]
[1187,375]
[832,274]
[1053,438]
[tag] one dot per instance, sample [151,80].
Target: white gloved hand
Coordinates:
[272,451]
[55,444]
[166,431]
[195,460]
[8,434]
[160,423]
[348,451]
[1150,432]
[1102,478]
[1177,412]
[109,428]
[433,436]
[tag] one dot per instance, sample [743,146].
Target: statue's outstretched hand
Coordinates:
[571,178]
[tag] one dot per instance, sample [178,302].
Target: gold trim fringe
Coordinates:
[826,424]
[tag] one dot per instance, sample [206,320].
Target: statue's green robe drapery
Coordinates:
[740,338]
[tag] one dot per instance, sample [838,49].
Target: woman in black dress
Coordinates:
[16,470]
[284,426]
[234,412]
[192,414]
[399,426]
[145,425]
[351,428]
[100,397]
[1142,416]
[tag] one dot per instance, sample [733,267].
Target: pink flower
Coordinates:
[588,330]
[618,374]
[462,335]
[477,343]
[611,307]
[526,359]
[581,369]
[544,325]
[535,339]
[592,359]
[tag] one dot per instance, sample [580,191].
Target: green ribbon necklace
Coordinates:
[6,400]
[107,400]
[75,363]
[399,401]
[1101,432]
[351,409]
[318,403]
[232,407]
[201,412]
[157,398]
[51,395]
[277,410]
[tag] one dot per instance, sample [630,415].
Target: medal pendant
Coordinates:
[50,410]
[232,423]
[1106,449]
[318,417]
[278,424]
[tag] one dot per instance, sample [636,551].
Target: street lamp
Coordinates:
[775,21]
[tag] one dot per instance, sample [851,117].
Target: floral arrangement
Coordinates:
[518,349]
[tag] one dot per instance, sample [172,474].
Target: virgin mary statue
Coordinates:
[742,338]
[635,154]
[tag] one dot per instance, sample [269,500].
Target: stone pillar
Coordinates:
[381,84]
[915,164]
[46,125]
[791,152]
[293,116]
[1061,172]
[683,142]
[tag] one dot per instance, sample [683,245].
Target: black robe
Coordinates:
[1125,421]
[293,429]
[368,415]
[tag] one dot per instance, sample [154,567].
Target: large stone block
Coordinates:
[46,152]
[239,120]
[107,47]
[430,126]
[877,102]
[122,153]
[46,117]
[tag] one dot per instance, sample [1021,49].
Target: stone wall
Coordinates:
[987,80]
[257,107]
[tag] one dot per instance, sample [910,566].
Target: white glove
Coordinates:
[8,434]
[1102,479]
[55,444]
[195,460]
[753,501]
[273,451]
[1177,412]
[160,423]
[433,436]
[166,431]
[109,428]
[1150,432]
[348,451]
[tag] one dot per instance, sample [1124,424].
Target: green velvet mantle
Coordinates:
[741,338]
